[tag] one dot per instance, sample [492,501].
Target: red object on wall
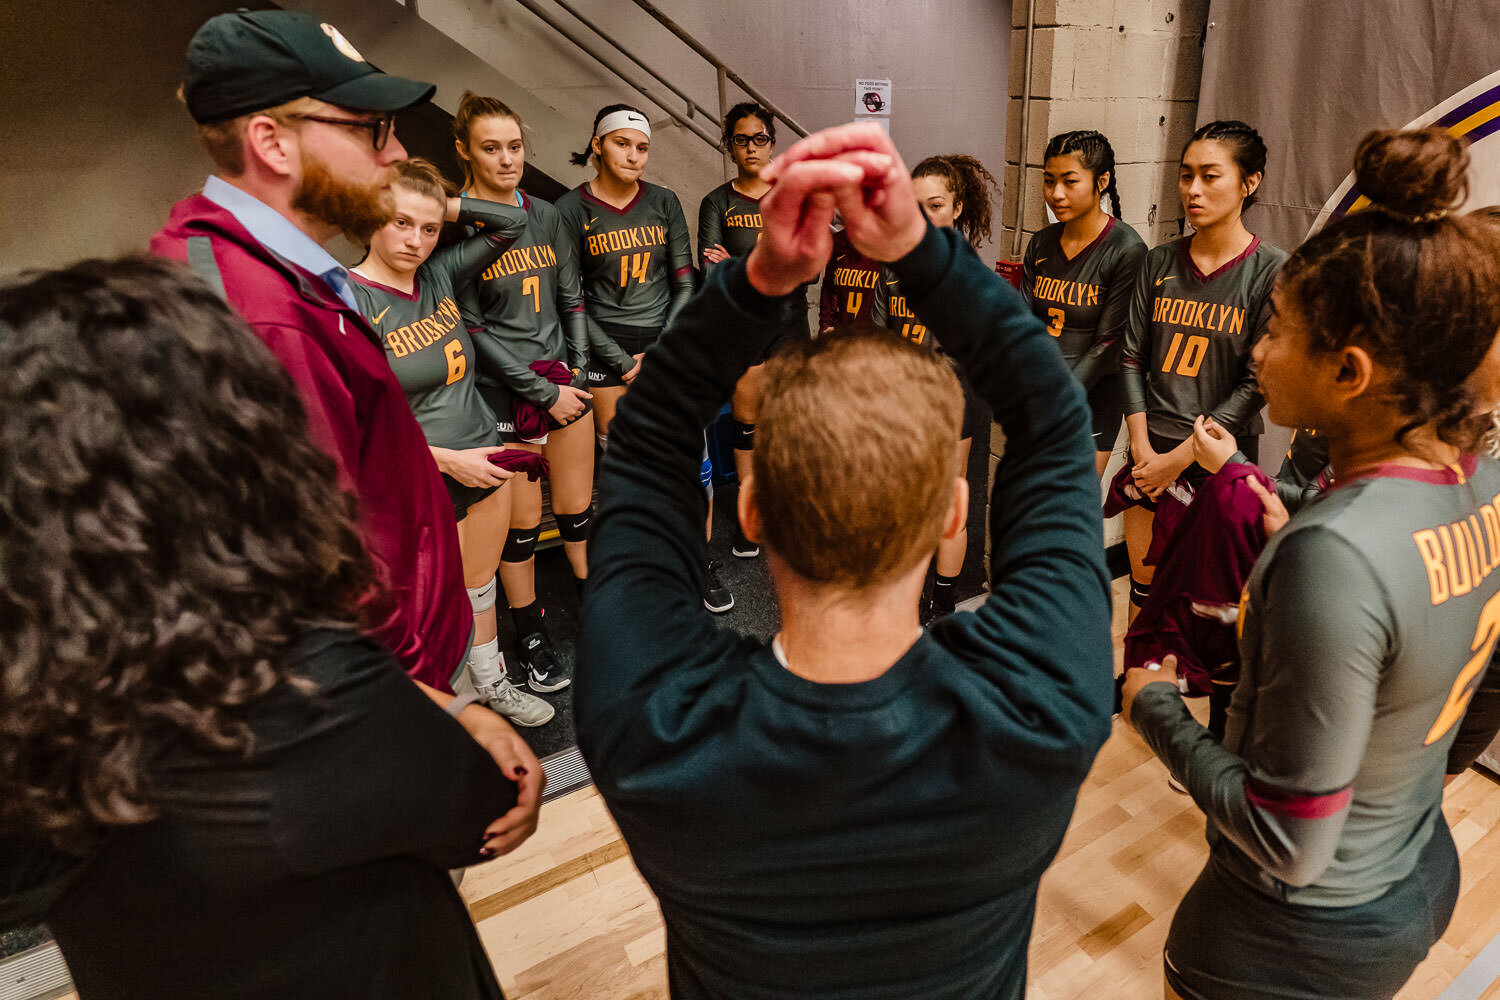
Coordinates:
[1010,270]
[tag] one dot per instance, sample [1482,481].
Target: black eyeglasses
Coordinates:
[380,128]
[744,141]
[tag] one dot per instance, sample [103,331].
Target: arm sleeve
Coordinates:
[332,420]
[1045,627]
[679,259]
[880,300]
[1244,399]
[497,227]
[497,356]
[429,794]
[643,619]
[1315,684]
[603,348]
[828,296]
[1135,353]
[710,226]
[1028,274]
[1104,357]
[570,299]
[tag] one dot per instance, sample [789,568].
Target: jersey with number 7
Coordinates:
[1188,342]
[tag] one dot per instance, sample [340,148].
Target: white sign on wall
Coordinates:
[872,98]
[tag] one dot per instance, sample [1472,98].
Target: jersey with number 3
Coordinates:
[1083,299]
[426,340]
[1188,342]
[628,257]
[1367,624]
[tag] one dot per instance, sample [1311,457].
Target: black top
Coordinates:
[1084,299]
[316,867]
[873,840]
[730,219]
[1188,343]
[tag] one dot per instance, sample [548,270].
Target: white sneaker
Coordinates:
[516,705]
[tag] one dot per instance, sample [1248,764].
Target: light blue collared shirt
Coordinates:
[276,232]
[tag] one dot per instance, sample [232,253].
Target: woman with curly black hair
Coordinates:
[200,791]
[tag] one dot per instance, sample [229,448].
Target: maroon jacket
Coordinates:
[357,413]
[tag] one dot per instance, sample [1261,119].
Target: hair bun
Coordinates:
[1417,176]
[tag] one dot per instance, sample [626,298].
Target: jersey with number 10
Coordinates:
[1187,347]
[629,257]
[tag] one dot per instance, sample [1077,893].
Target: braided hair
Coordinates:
[1245,146]
[971,184]
[1094,153]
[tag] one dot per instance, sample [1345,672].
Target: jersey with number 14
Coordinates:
[628,257]
[1188,342]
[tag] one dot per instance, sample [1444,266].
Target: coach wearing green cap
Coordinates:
[300,128]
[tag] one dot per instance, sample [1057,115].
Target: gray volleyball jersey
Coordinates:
[729,219]
[890,309]
[629,258]
[1189,337]
[1084,300]
[527,306]
[1366,626]
[426,340]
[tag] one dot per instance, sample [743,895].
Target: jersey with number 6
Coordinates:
[1188,342]
[1367,624]
[1084,299]
[425,338]
[631,259]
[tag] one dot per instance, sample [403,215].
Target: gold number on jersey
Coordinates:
[855,300]
[1192,357]
[914,332]
[532,286]
[1468,678]
[453,350]
[1056,316]
[634,266]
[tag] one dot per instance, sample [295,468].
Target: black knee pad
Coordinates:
[520,545]
[744,436]
[575,527]
[1139,592]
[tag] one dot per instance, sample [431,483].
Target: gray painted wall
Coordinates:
[96,147]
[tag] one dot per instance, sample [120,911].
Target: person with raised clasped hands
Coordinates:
[817,815]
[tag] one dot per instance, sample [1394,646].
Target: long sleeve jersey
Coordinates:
[636,262]
[1367,624]
[848,285]
[728,219]
[426,340]
[1188,342]
[1084,299]
[527,306]
[881,839]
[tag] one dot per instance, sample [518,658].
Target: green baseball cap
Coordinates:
[250,60]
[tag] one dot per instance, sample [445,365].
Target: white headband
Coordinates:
[623,119]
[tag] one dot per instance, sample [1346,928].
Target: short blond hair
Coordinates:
[856,455]
[225,141]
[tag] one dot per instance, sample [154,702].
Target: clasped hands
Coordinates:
[854,169]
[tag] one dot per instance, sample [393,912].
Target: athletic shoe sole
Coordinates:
[545,688]
[719,610]
[525,725]
[740,553]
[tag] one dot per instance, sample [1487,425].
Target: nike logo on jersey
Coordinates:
[1165,277]
[1041,260]
[376,319]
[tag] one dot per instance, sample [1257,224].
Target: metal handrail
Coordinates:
[692,105]
[693,127]
[720,66]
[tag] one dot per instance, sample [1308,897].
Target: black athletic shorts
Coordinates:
[632,340]
[501,400]
[464,497]
[1107,410]
[1230,941]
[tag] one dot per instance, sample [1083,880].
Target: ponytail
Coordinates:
[582,158]
[471,108]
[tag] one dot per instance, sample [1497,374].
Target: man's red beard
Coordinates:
[358,211]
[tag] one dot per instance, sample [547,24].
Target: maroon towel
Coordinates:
[1168,507]
[519,460]
[1193,608]
[531,420]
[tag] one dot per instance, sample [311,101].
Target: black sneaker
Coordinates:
[744,548]
[544,672]
[716,596]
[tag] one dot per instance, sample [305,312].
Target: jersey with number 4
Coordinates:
[1188,342]
[628,257]
[426,340]
[1367,624]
